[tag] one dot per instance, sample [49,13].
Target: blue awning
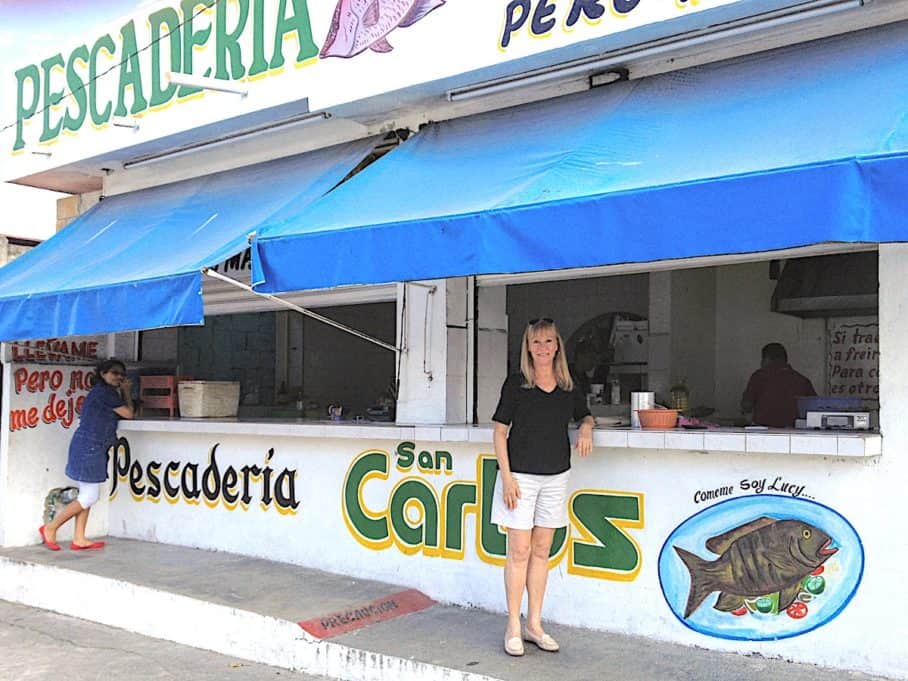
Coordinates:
[133,261]
[798,146]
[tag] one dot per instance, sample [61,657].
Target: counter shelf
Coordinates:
[772,441]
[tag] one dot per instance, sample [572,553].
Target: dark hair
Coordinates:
[775,352]
[102,368]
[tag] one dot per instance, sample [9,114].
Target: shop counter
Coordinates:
[773,441]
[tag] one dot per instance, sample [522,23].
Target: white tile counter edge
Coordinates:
[787,442]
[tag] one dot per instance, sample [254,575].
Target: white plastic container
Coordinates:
[630,341]
[641,400]
[209,399]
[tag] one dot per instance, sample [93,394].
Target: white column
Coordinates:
[660,328]
[458,389]
[422,331]
[435,328]
[893,354]
[877,489]
[492,348]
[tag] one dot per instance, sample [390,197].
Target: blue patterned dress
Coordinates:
[96,433]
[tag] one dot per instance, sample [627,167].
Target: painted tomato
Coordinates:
[740,612]
[797,610]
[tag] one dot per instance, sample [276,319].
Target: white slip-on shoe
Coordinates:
[513,646]
[544,642]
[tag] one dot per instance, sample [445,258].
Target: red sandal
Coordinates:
[53,546]
[93,545]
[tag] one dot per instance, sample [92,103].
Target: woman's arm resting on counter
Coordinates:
[509,486]
[585,436]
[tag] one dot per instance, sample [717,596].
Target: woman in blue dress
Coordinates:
[107,402]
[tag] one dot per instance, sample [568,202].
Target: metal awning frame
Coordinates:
[303,311]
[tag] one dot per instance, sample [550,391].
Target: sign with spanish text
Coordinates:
[212,483]
[43,404]
[854,358]
[413,501]
[71,350]
[415,516]
[63,101]
[753,554]
[46,397]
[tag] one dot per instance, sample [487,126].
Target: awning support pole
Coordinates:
[301,310]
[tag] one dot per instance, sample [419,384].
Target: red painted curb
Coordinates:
[360,616]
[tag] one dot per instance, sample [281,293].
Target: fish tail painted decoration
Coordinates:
[419,10]
[360,25]
[701,585]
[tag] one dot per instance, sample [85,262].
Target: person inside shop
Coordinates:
[534,460]
[108,401]
[772,391]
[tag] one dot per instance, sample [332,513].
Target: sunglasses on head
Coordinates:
[547,320]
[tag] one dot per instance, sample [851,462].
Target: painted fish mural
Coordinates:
[764,556]
[359,25]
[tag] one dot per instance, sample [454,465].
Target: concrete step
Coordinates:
[235,605]
[250,608]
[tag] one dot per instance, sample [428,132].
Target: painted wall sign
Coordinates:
[64,87]
[776,484]
[214,483]
[424,510]
[75,350]
[761,567]
[241,263]
[415,516]
[284,51]
[539,18]
[42,404]
[854,358]
[47,397]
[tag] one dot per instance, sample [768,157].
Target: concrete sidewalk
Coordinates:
[49,646]
[250,608]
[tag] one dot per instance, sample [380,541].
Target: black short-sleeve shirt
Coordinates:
[538,441]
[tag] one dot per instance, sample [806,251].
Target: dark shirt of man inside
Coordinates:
[773,389]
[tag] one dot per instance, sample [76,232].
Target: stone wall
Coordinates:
[71,207]
[233,348]
[9,252]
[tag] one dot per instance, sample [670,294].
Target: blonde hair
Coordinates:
[560,365]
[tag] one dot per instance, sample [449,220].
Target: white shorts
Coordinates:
[89,493]
[542,502]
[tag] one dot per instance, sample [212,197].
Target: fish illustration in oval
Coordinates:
[764,556]
[359,25]
[761,567]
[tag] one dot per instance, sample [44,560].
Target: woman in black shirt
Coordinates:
[534,461]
